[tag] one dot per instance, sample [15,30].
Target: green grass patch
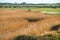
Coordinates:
[35,9]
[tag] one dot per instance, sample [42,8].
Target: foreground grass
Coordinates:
[35,9]
[45,37]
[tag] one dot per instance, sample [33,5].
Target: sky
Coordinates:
[30,1]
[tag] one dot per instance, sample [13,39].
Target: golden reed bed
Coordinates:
[15,22]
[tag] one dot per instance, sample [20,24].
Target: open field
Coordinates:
[36,9]
[15,22]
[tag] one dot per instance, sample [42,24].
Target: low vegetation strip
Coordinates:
[51,12]
[27,37]
[34,9]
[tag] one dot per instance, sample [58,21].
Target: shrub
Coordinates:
[44,37]
[47,37]
[24,37]
[56,27]
[29,9]
[33,19]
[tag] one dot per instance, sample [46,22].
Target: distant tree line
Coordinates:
[24,5]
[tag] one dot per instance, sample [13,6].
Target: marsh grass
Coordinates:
[45,37]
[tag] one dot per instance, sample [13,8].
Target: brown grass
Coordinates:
[13,23]
[22,14]
[42,27]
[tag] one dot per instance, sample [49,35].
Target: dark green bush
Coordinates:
[47,37]
[29,9]
[23,37]
[33,19]
[55,27]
